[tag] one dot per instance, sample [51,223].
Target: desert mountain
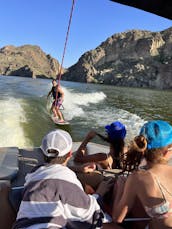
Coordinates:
[134,58]
[27,61]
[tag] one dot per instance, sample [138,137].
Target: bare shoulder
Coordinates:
[138,173]
[139,177]
[60,88]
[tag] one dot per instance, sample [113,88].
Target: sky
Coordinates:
[45,22]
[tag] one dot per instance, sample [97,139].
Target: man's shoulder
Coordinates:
[63,171]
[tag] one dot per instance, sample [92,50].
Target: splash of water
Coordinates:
[11,116]
[77,105]
[74,102]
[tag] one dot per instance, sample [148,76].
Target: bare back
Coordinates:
[154,190]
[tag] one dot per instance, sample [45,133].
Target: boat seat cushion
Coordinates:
[8,163]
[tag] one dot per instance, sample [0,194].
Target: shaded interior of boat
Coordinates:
[15,163]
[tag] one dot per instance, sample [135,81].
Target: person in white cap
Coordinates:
[53,196]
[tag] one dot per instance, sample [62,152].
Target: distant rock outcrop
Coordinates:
[135,59]
[28,61]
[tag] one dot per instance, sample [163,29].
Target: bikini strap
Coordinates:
[160,186]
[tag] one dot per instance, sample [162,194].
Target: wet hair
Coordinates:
[137,151]
[118,146]
[59,160]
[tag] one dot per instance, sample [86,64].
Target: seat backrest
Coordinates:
[8,163]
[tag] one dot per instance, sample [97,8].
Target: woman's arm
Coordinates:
[81,151]
[82,156]
[98,157]
[88,138]
[49,93]
[85,168]
[125,195]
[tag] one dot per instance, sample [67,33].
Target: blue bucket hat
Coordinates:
[158,134]
[116,130]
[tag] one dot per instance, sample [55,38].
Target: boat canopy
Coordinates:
[161,8]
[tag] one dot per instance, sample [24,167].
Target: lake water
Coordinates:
[25,116]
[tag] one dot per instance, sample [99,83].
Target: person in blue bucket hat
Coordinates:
[152,187]
[116,132]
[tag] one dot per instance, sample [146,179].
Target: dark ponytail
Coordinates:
[132,158]
[118,147]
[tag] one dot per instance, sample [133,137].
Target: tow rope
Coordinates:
[64,50]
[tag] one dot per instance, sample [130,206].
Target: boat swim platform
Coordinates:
[15,163]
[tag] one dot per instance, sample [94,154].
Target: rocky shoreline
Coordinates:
[134,58]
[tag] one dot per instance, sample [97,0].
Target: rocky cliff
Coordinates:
[27,61]
[135,58]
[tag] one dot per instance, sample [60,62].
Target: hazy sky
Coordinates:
[44,23]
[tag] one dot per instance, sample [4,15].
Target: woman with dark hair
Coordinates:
[116,133]
[88,166]
[152,188]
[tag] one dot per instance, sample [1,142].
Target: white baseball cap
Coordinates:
[59,140]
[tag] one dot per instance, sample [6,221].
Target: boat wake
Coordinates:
[76,102]
[91,109]
[12,117]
